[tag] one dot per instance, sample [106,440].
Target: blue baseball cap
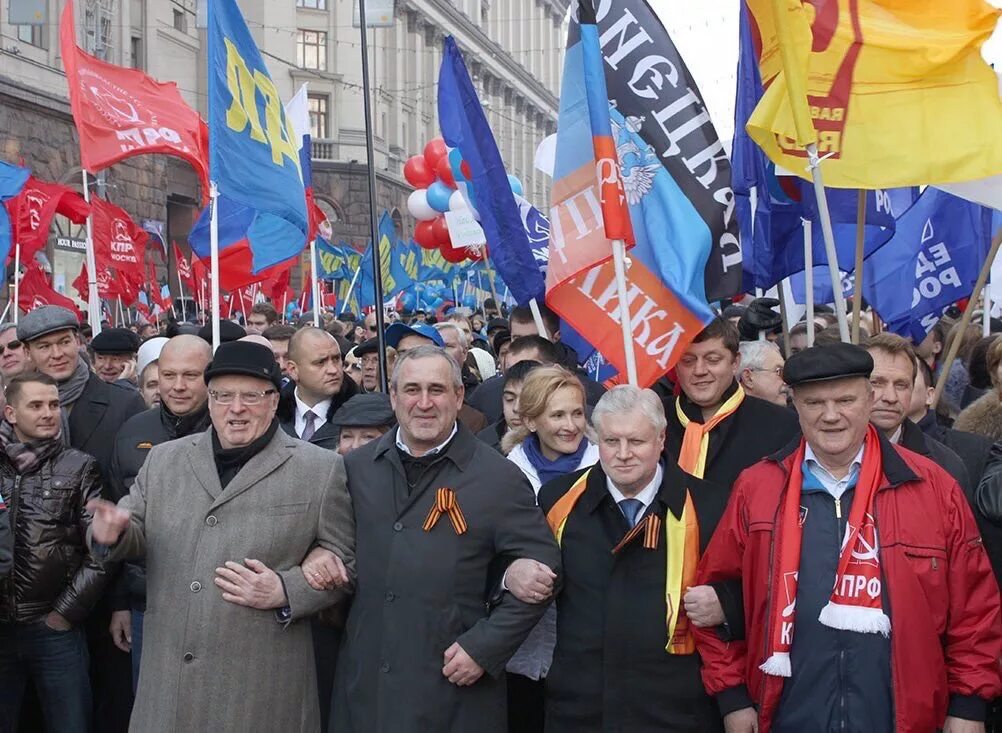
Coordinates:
[398,330]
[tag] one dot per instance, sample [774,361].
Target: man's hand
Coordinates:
[530,581]
[57,622]
[252,584]
[324,570]
[460,669]
[109,521]
[959,725]
[703,607]
[129,371]
[121,630]
[744,720]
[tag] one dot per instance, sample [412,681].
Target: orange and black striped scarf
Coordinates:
[681,555]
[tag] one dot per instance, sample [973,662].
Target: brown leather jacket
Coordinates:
[52,571]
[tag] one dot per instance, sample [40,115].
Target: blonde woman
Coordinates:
[550,442]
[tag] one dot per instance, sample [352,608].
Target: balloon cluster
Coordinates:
[432,176]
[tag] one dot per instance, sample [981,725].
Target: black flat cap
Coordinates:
[369,346]
[115,341]
[821,363]
[371,410]
[244,358]
[228,331]
[496,323]
[45,320]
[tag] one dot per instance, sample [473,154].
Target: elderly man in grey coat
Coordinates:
[439,515]
[224,519]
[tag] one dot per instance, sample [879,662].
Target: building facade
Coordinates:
[513,48]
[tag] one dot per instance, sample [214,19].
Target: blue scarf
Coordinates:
[546,469]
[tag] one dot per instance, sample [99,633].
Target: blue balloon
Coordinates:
[516,185]
[438,196]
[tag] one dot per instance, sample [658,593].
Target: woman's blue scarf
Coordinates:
[545,468]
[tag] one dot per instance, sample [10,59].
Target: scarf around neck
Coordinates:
[69,393]
[696,441]
[546,469]
[855,603]
[229,461]
[27,457]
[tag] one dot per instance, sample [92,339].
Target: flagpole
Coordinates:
[986,307]
[537,317]
[351,286]
[93,300]
[965,320]
[857,291]
[829,236]
[315,283]
[17,281]
[214,260]
[809,278]
[490,281]
[180,287]
[6,310]
[377,275]
[619,260]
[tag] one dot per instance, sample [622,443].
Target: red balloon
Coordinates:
[453,255]
[424,235]
[474,256]
[444,171]
[434,151]
[418,173]
[440,229]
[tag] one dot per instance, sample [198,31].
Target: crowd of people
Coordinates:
[775,536]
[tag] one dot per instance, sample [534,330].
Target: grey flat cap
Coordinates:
[45,320]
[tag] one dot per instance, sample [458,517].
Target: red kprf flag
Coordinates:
[183,268]
[32,210]
[118,241]
[35,291]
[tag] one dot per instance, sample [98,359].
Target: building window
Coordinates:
[319,120]
[136,49]
[312,4]
[311,49]
[32,34]
[180,21]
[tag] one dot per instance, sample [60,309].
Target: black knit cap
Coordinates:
[228,331]
[245,358]
[821,363]
[369,346]
[115,341]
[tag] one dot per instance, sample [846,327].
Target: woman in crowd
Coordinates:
[550,441]
[984,415]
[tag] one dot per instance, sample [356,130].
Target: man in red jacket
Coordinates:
[869,601]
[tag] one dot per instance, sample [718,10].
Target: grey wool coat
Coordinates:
[419,591]
[208,664]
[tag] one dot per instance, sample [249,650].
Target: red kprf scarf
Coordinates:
[855,601]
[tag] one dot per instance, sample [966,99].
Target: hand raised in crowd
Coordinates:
[121,630]
[252,584]
[744,720]
[57,622]
[460,669]
[529,581]
[703,607]
[324,570]
[109,521]
[960,725]
[129,370]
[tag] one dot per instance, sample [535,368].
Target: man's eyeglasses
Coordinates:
[778,371]
[246,398]
[13,346]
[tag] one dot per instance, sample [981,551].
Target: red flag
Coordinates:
[35,291]
[118,241]
[200,281]
[129,284]
[183,268]
[122,112]
[235,267]
[31,213]
[106,287]
[278,290]
[144,310]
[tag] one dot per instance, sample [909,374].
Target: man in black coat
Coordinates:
[318,389]
[93,412]
[744,429]
[624,658]
[183,410]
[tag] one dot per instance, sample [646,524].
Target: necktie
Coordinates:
[309,428]
[631,509]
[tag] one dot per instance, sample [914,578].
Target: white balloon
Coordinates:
[457,202]
[417,205]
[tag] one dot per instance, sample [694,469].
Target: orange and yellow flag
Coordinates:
[895,92]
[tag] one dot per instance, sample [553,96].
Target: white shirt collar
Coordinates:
[646,495]
[437,449]
[834,486]
[320,410]
[897,434]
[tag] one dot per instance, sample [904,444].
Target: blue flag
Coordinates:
[932,261]
[465,127]
[253,150]
[12,180]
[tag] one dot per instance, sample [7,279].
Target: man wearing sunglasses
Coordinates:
[13,358]
[224,519]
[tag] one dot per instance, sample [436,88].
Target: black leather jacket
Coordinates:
[52,571]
